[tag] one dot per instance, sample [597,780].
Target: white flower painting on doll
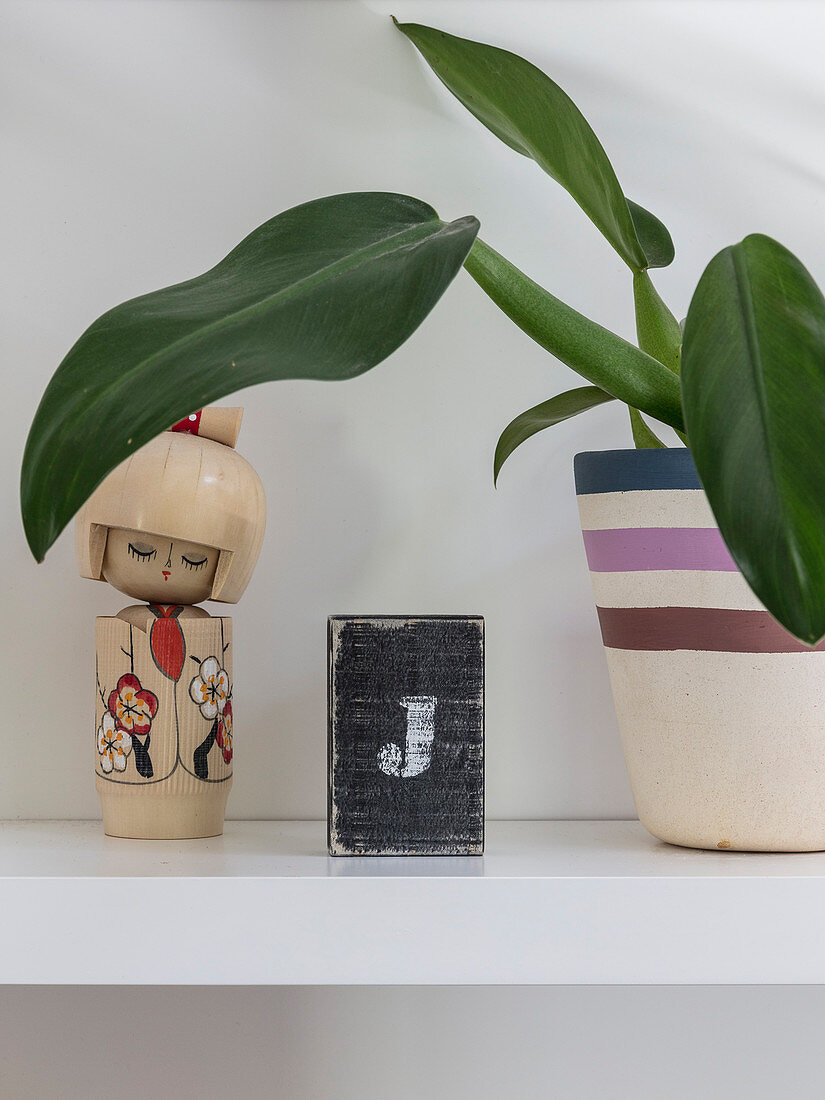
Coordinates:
[210,688]
[113,744]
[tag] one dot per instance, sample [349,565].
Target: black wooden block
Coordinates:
[406,735]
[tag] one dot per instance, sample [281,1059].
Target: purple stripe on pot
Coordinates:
[709,629]
[630,549]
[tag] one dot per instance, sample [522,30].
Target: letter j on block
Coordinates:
[406,735]
[418,748]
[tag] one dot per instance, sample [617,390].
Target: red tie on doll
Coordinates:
[166,640]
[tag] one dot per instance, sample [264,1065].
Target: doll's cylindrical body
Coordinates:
[163,743]
[178,522]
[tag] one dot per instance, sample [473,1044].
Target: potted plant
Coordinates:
[708,562]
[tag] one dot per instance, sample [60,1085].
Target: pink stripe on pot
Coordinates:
[631,549]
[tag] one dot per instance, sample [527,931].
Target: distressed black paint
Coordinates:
[374,664]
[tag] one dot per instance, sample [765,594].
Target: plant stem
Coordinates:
[657,330]
[659,334]
[643,436]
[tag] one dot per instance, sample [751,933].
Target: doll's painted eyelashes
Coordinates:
[194,565]
[142,551]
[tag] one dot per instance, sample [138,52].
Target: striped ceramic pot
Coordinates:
[721,711]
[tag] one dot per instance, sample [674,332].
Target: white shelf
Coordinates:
[575,902]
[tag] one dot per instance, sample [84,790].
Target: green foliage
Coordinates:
[643,435]
[753,382]
[597,354]
[653,236]
[752,358]
[657,330]
[325,290]
[330,288]
[558,408]
[531,114]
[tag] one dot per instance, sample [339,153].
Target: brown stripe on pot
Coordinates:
[712,629]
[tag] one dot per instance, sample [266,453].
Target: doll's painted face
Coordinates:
[157,569]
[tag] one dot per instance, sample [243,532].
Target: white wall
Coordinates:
[142,140]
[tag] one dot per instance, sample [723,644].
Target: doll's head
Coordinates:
[181,520]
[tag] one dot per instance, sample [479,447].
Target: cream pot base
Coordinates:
[725,750]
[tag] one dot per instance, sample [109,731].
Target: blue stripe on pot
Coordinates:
[621,471]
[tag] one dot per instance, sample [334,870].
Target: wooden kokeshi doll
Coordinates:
[179,522]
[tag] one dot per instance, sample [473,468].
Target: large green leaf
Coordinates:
[530,113]
[595,353]
[558,408]
[753,378]
[325,290]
